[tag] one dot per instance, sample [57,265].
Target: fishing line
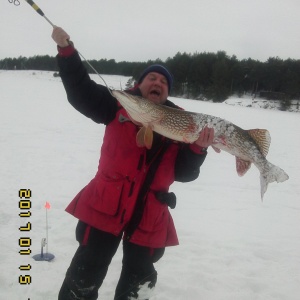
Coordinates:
[41,13]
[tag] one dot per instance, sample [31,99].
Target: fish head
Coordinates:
[140,110]
[129,102]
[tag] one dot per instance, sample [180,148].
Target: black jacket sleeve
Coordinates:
[188,163]
[91,99]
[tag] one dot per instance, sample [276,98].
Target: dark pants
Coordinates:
[92,258]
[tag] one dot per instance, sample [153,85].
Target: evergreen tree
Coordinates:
[200,75]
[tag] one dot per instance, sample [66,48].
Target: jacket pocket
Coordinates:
[107,196]
[155,215]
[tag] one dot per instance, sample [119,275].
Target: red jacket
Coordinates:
[108,202]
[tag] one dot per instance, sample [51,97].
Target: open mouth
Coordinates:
[155,93]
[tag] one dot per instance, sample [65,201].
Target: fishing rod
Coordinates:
[41,13]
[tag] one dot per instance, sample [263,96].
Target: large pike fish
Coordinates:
[248,146]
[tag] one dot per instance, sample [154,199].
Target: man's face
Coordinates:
[154,87]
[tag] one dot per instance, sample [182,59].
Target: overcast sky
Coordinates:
[140,30]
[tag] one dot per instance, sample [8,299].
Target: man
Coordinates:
[129,196]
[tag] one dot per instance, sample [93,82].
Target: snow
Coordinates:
[251,101]
[232,245]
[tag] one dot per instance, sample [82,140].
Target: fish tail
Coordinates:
[274,173]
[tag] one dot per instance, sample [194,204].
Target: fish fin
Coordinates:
[144,137]
[148,137]
[140,137]
[216,149]
[274,173]
[220,140]
[262,138]
[242,166]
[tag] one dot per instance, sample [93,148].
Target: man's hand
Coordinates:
[206,137]
[60,37]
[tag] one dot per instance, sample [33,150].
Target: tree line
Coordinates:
[206,75]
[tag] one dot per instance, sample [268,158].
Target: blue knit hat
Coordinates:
[158,69]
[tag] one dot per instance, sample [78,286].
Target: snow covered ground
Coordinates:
[250,101]
[232,245]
